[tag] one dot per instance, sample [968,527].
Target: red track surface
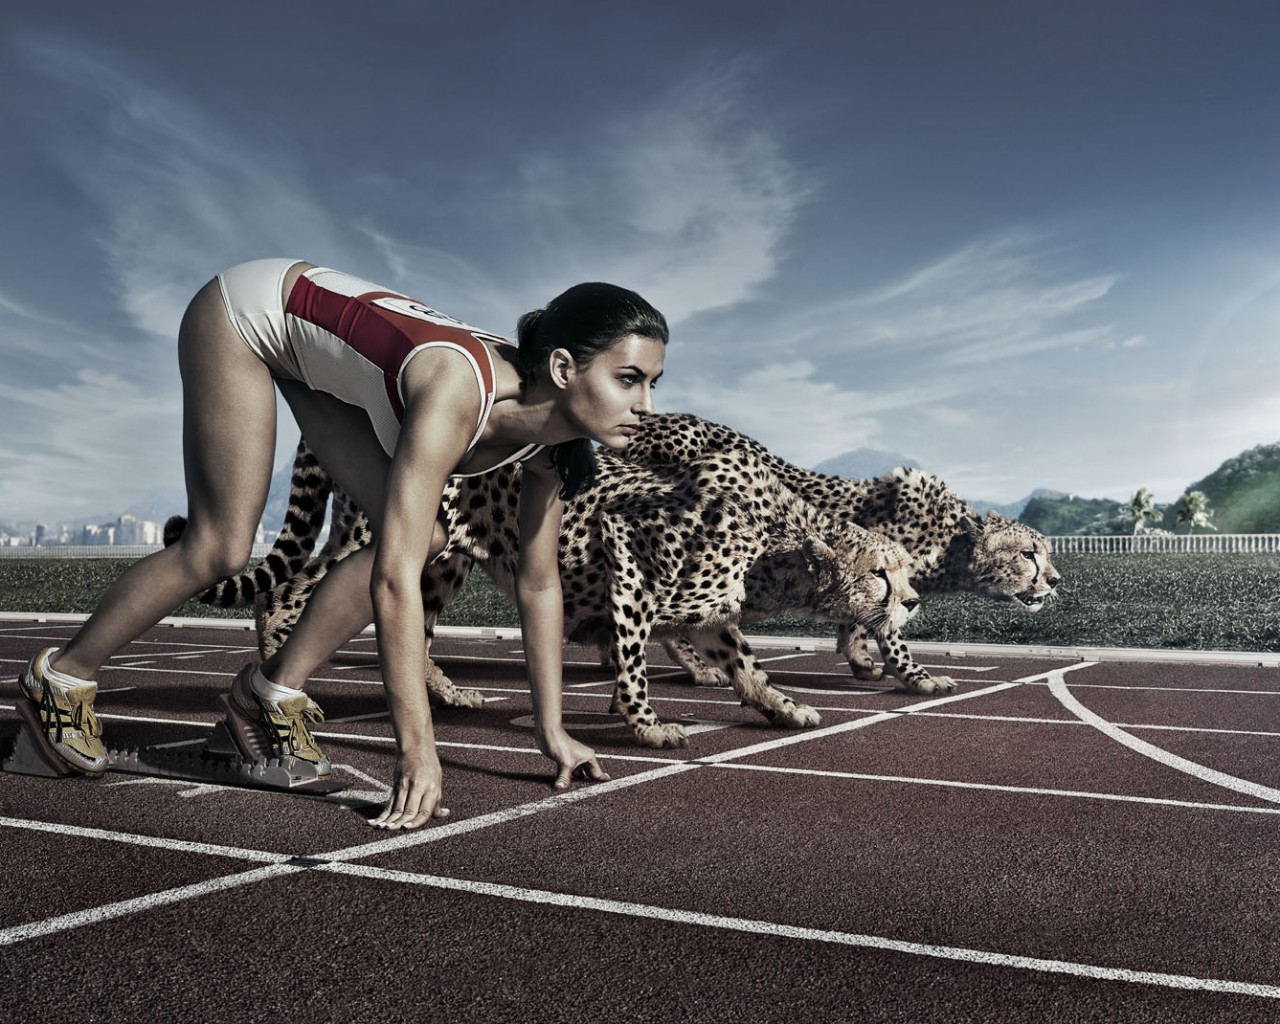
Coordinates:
[986,856]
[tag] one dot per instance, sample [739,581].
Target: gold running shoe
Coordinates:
[71,729]
[264,729]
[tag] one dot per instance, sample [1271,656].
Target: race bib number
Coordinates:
[420,311]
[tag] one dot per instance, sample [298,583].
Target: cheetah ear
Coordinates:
[972,525]
[817,554]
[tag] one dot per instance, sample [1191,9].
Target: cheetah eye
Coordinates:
[1030,553]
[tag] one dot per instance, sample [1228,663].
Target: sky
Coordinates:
[1026,244]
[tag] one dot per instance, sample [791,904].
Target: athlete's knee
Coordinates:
[210,558]
[439,538]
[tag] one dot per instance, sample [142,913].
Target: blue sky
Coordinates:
[1026,244]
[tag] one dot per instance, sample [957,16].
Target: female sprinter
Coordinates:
[393,397]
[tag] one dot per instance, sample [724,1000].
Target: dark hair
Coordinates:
[584,320]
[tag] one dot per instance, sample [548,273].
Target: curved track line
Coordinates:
[1058,687]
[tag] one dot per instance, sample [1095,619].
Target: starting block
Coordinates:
[219,762]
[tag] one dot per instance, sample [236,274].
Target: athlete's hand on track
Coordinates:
[574,760]
[416,795]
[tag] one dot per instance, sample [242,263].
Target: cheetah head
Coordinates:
[1011,561]
[862,577]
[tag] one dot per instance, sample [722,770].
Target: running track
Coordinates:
[1065,838]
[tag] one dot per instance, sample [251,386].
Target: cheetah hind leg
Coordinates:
[728,649]
[441,582]
[851,642]
[686,656]
[442,693]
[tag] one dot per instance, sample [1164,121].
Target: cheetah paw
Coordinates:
[708,677]
[452,697]
[796,716]
[931,684]
[660,736]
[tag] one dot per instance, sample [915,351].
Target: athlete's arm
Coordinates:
[441,407]
[541,606]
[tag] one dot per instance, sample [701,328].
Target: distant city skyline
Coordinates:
[1025,244]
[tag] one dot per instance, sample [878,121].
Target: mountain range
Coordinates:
[863,463]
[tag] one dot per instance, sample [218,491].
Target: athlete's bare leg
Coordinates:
[344,441]
[228,439]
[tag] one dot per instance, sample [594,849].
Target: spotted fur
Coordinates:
[309,489]
[951,548]
[692,550]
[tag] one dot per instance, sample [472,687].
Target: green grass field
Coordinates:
[1196,602]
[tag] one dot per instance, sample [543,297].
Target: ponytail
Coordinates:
[575,464]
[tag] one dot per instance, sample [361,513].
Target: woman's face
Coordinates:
[608,397]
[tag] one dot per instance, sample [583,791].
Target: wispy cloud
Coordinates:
[999,298]
[69,447]
[181,194]
[799,411]
[689,202]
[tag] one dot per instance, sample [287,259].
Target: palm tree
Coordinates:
[1142,507]
[1194,510]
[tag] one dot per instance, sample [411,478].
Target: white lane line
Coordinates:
[155,842]
[1028,790]
[1195,728]
[165,671]
[1178,689]
[357,718]
[193,722]
[365,777]
[141,904]
[185,788]
[202,651]
[1140,726]
[1058,687]
[1093,972]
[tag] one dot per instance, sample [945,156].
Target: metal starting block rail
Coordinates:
[219,762]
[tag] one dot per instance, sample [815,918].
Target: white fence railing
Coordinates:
[96,551]
[1118,544]
[1156,543]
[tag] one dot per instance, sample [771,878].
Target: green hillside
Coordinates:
[1244,492]
[1056,517]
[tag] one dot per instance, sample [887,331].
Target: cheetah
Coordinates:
[951,548]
